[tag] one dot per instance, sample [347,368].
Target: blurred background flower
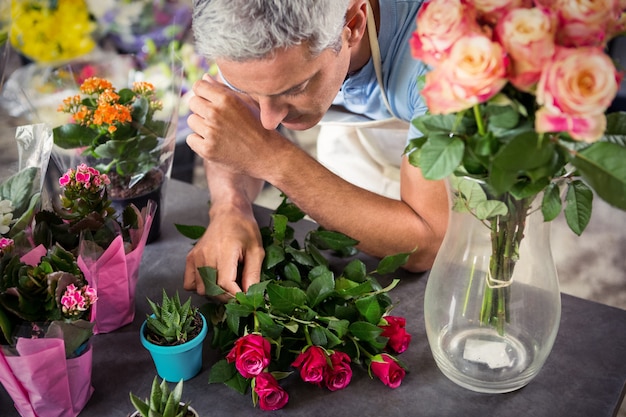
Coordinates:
[51,31]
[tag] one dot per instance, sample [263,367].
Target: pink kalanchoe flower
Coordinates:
[5,243]
[75,301]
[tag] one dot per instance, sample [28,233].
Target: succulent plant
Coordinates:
[171,322]
[162,402]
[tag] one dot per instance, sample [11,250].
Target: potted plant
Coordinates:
[162,402]
[108,246]
[45,307]
[174,334]
[125,134]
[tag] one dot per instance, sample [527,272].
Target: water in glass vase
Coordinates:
[492,303]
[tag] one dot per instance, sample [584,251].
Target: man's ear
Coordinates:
[356,21]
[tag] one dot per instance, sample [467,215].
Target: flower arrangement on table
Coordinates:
[517,98]
[304,317]
[51,31]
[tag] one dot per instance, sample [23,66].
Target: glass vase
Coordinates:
[492,305]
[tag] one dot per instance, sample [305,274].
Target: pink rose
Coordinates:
[312,364]
[251,354]
[395,329]
[387,369]
[528,36]
[575,89]
[440,23]
[585,128]
[491,11]
[586,23]
[339,374]
[474,72]
[271,395]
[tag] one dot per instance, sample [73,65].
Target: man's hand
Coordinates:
[231,238]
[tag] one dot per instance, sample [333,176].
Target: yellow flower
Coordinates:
[46,34]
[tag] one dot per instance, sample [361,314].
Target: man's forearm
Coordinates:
[230,189]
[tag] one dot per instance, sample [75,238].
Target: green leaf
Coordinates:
[292,272]
[274,254]
[524,152]
[578,200]
[209,278]
[325,239]
[289,210]
[440,156]
[551,204]
[340,327]
[268,327]
[320,288]
[502,180]
[285,300]
[222,371]
[391,263]
[369,309]
[355,271]
[489,209]
[19,188]
[318,337]
[300,256]
[190,231]
[280,226]
[602,167]
[71,135]
[364,331]
[238,383]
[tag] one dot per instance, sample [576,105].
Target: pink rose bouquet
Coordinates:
[302,319]
[518,94]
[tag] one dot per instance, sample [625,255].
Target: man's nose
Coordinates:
[272,112]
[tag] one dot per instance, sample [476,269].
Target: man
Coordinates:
[282,63]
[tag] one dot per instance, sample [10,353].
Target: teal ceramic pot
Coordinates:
[174,363]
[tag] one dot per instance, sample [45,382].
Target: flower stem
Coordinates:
[507,232]
[479,120]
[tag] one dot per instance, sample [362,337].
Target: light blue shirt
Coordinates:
[361,93]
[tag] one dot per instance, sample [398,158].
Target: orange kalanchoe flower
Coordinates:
[94,85]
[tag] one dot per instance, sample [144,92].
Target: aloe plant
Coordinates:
[162,402]
[171,322]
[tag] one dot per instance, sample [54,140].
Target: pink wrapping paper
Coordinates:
[42,382]
[114,275]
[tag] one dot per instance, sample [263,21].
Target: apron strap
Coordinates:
[376,57]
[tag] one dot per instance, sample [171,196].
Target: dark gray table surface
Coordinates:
[584,376]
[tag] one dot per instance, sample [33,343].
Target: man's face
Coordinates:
[292,87]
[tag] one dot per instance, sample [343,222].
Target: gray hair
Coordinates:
[244,30]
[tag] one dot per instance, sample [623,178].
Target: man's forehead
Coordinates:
[279,75]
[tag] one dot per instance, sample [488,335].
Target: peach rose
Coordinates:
[528,37]
[577,85]
[585,128]
[474,72]
[587,23]
[491,11]
[439,24]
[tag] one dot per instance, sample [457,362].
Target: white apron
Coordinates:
[365,152]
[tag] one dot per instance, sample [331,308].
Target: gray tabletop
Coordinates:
[585,374]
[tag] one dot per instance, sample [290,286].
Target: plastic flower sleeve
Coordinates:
[114,273]
[23,188]
[42,382]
